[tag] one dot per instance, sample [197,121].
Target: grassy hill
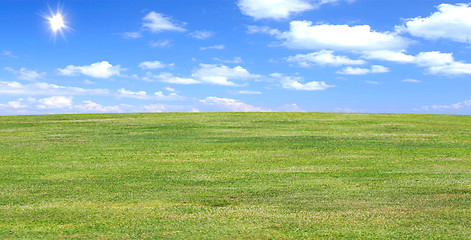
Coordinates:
[235,175]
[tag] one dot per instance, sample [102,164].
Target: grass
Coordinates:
[235,175]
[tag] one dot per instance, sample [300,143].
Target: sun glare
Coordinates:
[56,22]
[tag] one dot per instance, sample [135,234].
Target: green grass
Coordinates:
[235,175]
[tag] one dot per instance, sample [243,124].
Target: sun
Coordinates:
[57,22]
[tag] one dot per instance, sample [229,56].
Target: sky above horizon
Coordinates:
[397,56]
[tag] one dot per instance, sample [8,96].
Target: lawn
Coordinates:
[235,175]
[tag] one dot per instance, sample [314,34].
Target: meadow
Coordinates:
[235,176]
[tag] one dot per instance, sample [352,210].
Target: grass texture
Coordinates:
[235,176]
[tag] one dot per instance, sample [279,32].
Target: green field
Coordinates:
[235,175]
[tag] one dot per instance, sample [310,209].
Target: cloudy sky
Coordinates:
[398,56]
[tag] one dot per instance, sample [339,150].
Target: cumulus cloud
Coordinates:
[55,102]
[387,55]
[170,78]
[456,68]
[156,22]
[154,65]
[436,62]
[363,71]
[207,73]
[442,63]
[450,22]
[25,74]
[275,9]
[231,105]
[323,57]
[280,9]
[304,35]
[295,83]
[97,70]
[434,58]
[222,75]
[14,104]
[125,93]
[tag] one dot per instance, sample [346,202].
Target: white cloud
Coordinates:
[7,53]
[450,22]
[456,68]
[126,93]
[14,104]
[222,75]
[379,69]
[465,105]
[154,65]
[169,89]
[345,109]
[290,108]
[231,105]
[170,78]
[372,82]
[156,22]
[201,34]
[215,47]
[263,29]
[248,92]
[97,70]
[42,88]
[442,63]
[155,108]
[207,73]
[434,58]
[362,71]
[436,62]
[161,43]
[387,55]
[294,83]
[235,60]
[159,95]
[304,35]
[280,9]
[25,74]
[90,106]
[411,80]
[55,102]
[131,35]
[88,82]
[275,9]
[323,57]
[62,104]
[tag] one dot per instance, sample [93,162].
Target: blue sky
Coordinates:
[397,56]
